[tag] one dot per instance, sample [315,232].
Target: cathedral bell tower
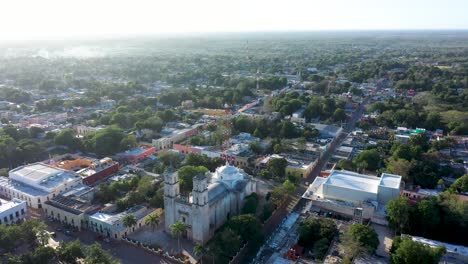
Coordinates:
[200,209]
[171,192]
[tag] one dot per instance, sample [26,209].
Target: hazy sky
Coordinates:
[23,19]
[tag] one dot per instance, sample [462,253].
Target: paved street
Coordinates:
[294,204]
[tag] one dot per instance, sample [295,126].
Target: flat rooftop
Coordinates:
[134,152]
[5,204]
[353,180]
[42,176]
[20,187]
[35,172]
[361,182]
[390,180]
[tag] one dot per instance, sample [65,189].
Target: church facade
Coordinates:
[214,199]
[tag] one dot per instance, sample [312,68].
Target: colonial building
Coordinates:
[214,199]
[37,183]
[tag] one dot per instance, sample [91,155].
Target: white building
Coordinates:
[172,136]
[214,199]
[354,195]
[12,211]
[37,183]
[111,225]
[72,206]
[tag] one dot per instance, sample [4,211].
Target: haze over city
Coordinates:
[24,19]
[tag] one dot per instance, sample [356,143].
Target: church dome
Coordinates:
[228,173]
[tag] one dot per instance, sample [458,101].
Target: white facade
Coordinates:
[37,183]
[344,192]
[111,225]
[12,211]
[215,198]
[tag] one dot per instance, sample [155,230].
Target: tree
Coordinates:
[460,185]
[360,239]
[407,251]
[42,235]
[368,159]
[128,142]
[41,255]
[96,255]
[70,252]
[9,237]
[177,229]
[320,248]
[153,220]
[420,140]
[106,142]
[251,204]
[67,138]
[29,230]
[339,115]
[401,167]
[313,229]
[129,220]
[428,215]
[34,132]
[398,211]
[287,130]
[170,158]
[280,193]
[256,147]
[301,144]
[346,164]
[199,250]
[186,174]
[277,167]
[246,226]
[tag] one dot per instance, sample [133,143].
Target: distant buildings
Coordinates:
[238,154]
[328,131]
[91,170]
[84,130]
[403,134]
[171,136]
[299,167]
[37,183]
[354,195]
[137,154]
[13,211]
[214,199]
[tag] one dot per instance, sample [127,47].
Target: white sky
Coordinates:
[44,19]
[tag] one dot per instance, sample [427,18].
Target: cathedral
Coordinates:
[214,199]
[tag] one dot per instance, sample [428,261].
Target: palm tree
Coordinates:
[177,229]
[153,220]
[129,220]
[199,250]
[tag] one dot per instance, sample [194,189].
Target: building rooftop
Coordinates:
[77,200]
[5,204]
[451,248]
[35,172]
[353,180]
[361,182]
[390,180]
[21,187]
[134,152]
[42,176]
[139,211]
